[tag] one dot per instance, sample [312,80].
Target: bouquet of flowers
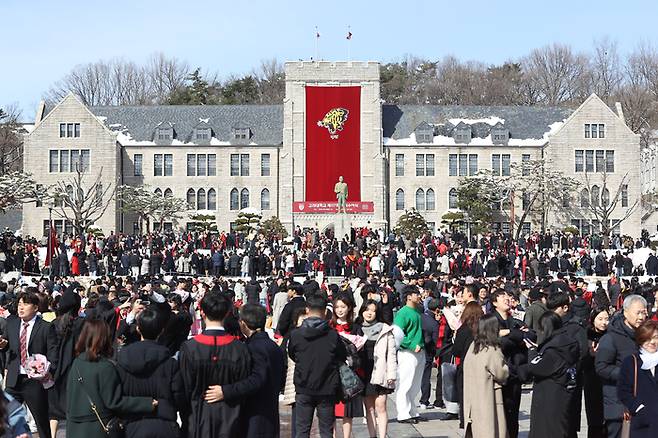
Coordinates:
[37,367]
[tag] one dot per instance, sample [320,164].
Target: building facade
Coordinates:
[284,160]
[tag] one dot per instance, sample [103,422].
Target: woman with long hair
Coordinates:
[552,363]
[379,365]
[343,322]
[94,379]
[485,371]
[593,388]
[463,339]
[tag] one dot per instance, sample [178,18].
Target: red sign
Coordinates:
[333,141]
[332,207]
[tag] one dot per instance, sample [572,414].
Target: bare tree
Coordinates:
[165,75]
[271,81]
[600,199]
[81,203]
[11,139]
[605,68]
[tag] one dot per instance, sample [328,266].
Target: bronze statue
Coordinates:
[341,194]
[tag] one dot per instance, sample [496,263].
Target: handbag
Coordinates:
[114,428]
[626,424]
[351,384]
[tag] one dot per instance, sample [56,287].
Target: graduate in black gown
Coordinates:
[214,357]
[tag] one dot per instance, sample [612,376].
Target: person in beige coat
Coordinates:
[485,371]
[379,364]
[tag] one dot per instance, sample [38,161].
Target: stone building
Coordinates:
[284,159]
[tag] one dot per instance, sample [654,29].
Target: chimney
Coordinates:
[40,110]
[620,112]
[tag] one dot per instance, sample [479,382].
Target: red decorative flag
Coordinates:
[52,244]
[333,141]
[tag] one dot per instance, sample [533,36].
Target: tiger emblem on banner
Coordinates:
[334,121]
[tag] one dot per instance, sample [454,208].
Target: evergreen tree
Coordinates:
[412,225]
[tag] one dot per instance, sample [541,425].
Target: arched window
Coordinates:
[605,197]
[158,192]
[244,199]
[201,199]
[452,198]
[99,195]
[235,201]
[69,192]
[595,196]
[212,200]
[191,198]
[399,199]
[430,201]
[168,193]
[265,199]
[584,198]
[420,200]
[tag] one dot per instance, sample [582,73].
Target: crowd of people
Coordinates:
[200,334]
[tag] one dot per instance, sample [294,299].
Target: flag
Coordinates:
[52,244]
[349,35]
[317,32]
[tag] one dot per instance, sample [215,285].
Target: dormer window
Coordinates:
[165,134]
[202,134]
[424,133]
[241,133]
[499,134]
[462,133]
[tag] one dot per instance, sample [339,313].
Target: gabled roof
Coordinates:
[265,121]
[523,122]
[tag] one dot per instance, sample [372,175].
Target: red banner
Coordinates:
[332,207]
[333,141]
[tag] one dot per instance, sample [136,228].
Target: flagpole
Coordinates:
[349,42]
[317,42]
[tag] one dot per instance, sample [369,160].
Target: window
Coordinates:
[244,164]
[595,196]
[69,192]
[244,198]
[39,201]
[430,201]
[168,193]
[241,133]
[525,201]
[191,198]
[69,130]
[452,165]
[589,161]
[76,130]
[429,165]
[158,192]
[453,200]
[605,197]
[203,134]
[601,131]
[565,199]
[99,195]
[64,161]
[137,164]
[164,134]
[212,199]
[201,164]
[399,164]
[168,165]
[191,165]
[579,158]
[235,164]
[525,228]
[420,165]
[157,165]
[62,130]
[594,130]
[624,195]
[599,160]
[69,160]
[264,164]
[495,164]
[463,164]
[499,135]
[584,198]
[75,159]
[212,164]
[420,200]
[201,199]
[506,165]
[424,137]
[610,161]
[525,164]
[587,135]
[472,164]
[265,199]
[399,199]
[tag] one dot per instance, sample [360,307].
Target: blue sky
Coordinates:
[44,39]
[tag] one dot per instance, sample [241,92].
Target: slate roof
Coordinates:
[265,121]
[523,122]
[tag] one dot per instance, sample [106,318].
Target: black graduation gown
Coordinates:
[213,358]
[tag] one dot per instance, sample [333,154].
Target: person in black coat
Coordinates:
[252,290]
[617,344]
[593,387]
[147,369]
[652,265]
[297,301]
[638,383]
[39,338]
[260,390]
[553,364]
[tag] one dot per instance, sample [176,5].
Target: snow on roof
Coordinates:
[488,120]
[203,120]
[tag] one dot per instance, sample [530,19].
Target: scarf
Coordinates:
[372,330]
[649,360]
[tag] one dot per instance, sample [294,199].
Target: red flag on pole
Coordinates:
[52,242]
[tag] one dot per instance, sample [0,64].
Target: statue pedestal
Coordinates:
[342,226]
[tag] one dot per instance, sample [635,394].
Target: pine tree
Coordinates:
[412,225]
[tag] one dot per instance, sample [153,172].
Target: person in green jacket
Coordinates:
[411,358]
[94,377]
